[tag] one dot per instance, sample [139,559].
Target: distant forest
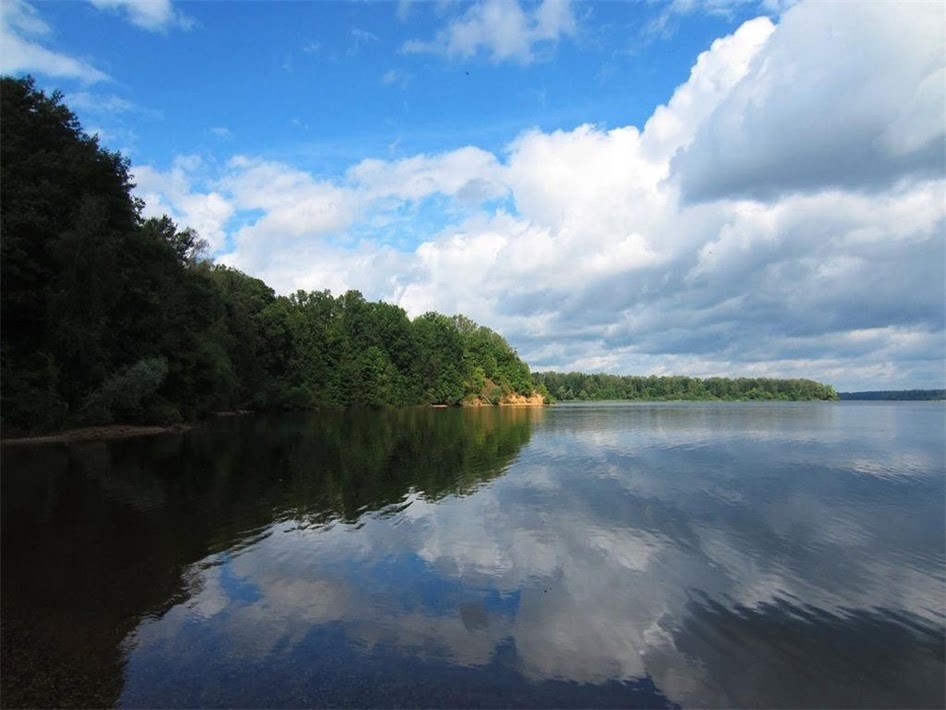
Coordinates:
[894,395]
[579,386]
[110,317]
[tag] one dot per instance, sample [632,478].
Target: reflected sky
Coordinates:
[726,553]
[731,554]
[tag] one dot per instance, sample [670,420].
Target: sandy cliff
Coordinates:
[533,400]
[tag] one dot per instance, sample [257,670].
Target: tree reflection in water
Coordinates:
[97,536]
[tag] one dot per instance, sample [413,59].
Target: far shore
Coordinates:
[94,433]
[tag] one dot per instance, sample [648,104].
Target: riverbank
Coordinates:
[520,400]
[94,433]
[506,400]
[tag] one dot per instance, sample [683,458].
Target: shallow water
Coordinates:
[600,555]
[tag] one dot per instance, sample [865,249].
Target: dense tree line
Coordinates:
[107,316]
[580,386]
[896,395]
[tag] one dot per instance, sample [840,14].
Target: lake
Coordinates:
[587,555]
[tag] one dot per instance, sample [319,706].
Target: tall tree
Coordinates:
[107,316]
[66,212]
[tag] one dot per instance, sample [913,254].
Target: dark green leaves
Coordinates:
[111,318]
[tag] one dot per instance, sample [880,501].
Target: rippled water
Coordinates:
[657,555]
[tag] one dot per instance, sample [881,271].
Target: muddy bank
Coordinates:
[93,433]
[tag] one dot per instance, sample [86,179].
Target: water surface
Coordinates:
[605,555]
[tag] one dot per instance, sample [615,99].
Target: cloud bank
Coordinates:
[782,214]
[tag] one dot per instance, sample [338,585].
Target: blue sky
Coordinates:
[327,84]
[708,188]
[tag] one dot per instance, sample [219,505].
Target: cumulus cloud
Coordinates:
[835,98]
[713,76]
[464,173]
[23,35]
[502,29]
[789,196]
[150,15]
[173,194]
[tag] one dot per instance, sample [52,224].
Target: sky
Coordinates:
[703,188]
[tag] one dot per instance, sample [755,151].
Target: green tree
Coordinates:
[67,216]
[107,316]
[439,370]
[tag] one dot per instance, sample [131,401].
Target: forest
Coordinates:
[111,317]
[580,386]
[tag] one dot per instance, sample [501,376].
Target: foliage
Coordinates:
[108,316]
[126,394]
[67,216]
[580,386]
[896,395]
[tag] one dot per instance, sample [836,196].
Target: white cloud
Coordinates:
[712,78]
[502,29]
[467,173]
[588,250]
[291,198]
[172,193]
[404,9]
[360,38]
[364,35]
[100,103]
[24,18]
[848,95]
[22,34]
[665,24]
[150,15]
[394,77]
[108,105]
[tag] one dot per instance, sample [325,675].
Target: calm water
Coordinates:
[604,555]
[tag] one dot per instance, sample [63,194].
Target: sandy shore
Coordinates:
[93,433]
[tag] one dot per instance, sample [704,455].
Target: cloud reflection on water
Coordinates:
[663,543]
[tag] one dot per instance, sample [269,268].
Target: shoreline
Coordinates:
[96,433]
